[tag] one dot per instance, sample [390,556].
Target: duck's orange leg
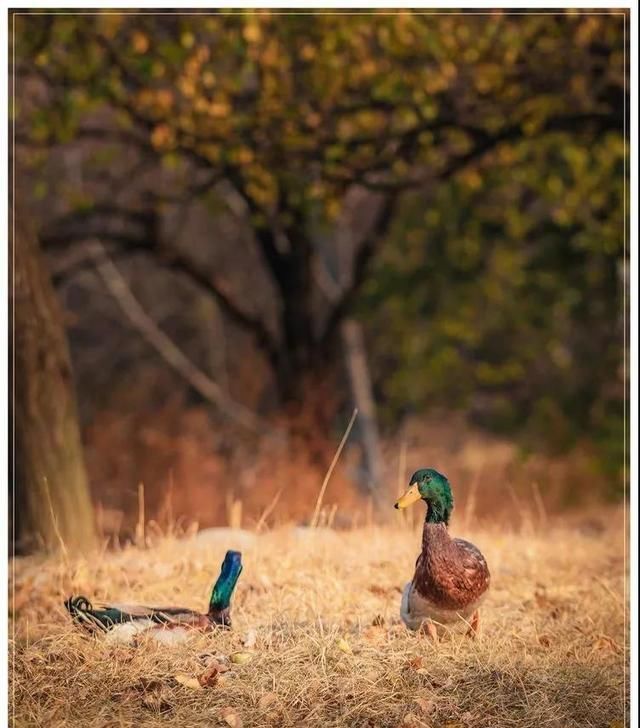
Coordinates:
[428,628]
[474,625]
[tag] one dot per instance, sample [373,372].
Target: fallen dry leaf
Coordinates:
[426,706]
[157,701]
[267,700]
[122,654]
[412,720]
[230,717]
[209,677]
[210,658]
[373,634]
[153,695]
[605,643]
[414,663]
[188,681]
[435,682]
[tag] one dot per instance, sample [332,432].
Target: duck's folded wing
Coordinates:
[475,570]
[160,615]
[106,616]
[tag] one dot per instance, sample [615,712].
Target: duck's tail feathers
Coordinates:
[105,617]
[84,615]
[226,583]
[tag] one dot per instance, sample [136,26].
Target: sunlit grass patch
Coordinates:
[328,647]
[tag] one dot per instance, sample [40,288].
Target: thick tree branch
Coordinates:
[484,143]
[220,291]
[111,222]
[363,256]
[136,232]
[144,324]
[264,234]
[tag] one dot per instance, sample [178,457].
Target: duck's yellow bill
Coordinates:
[411,496]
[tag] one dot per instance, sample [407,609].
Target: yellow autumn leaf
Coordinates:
[187,87]
[243,156]
[158,69]
[164,99]
[344,646]
[251,32]
[230,717]
[219,109]
[200,105]
[203,54]
[188,681]
[368,68]
[162,136]
[187,39]
[208,79]
[139,42]
[333,209]
[308,52]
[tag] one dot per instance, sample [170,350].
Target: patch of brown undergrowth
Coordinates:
[196,471]
[317,614]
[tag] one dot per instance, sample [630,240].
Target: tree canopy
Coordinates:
[456,178]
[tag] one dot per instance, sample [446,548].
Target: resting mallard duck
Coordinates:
[451,577]
[137,618]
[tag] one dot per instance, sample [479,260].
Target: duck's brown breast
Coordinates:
[453,576]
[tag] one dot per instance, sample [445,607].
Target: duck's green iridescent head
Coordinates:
[432,487]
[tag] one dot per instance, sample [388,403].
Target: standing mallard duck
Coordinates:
[137,618]
[451,577]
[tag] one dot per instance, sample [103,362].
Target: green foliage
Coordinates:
[498,138]
[300,106]
[504,297]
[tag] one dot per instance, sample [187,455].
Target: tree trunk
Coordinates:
[366,425]
[51,500]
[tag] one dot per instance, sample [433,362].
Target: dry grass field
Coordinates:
[319,611]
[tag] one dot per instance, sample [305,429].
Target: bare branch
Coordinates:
[135,231]
[144,324]
[112,222]
[220,291]
[483,144]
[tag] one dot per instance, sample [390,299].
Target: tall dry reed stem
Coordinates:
[316,511]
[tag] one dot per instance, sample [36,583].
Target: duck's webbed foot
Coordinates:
[428,628]
[474,625]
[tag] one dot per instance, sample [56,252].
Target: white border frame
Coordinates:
[631,297]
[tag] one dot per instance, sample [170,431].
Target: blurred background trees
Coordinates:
[453,184]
